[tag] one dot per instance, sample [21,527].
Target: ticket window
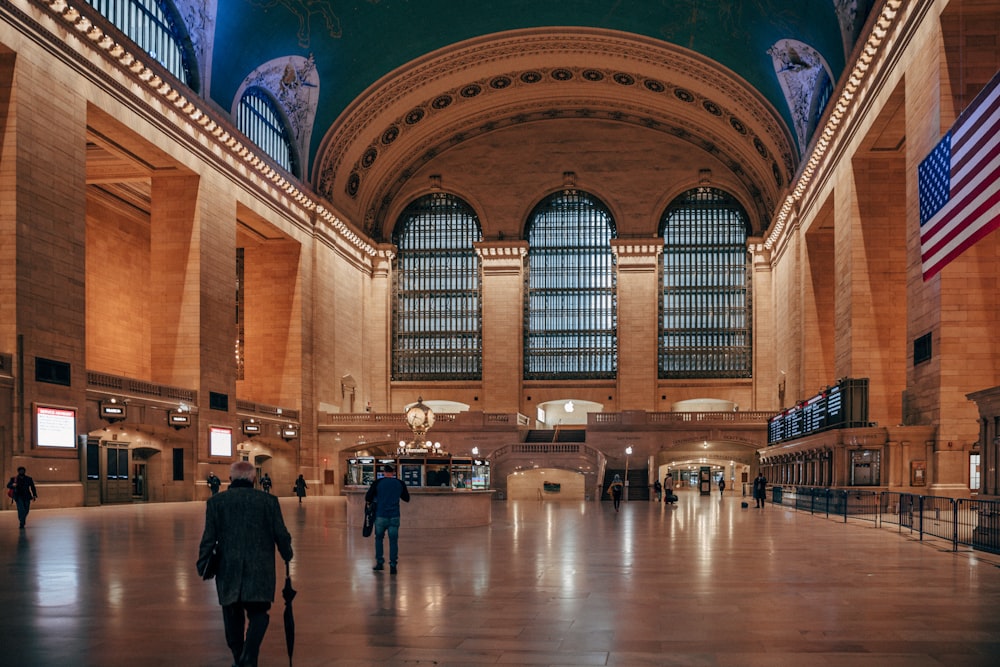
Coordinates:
[438,474]
[360,472]
[480,475]
[865,467]
[461,475]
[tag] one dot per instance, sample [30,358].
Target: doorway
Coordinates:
[139,481]
[116,487]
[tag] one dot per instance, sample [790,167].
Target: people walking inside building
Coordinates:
[245,526]
[615,490]
[668,489]
[214,483]
[23,492]
[265,483]
[722,486]
[386,492]
[300,488]
[759,489]
[657,489]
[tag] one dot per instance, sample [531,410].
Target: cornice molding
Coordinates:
[144,85]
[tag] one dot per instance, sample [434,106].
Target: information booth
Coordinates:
[445,491]
[432,472]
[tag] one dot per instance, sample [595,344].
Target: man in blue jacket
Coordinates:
[386,493]
[245,525]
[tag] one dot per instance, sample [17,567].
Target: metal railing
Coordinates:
[967,522]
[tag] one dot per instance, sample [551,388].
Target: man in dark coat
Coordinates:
[24,493]
[760,489]
[386,492]
[214,483]
[247,525]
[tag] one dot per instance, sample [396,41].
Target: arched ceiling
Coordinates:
[402,82]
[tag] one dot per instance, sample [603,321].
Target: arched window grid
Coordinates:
[259,119]
[570,328]
[705,306]
[437,295]
[156,29]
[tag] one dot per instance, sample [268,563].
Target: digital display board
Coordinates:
[220,441]
[843,405]
[55,427]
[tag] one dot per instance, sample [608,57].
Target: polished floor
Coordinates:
[703,583]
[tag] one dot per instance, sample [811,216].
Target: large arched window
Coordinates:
[570,314]
[260,120]
[437,301]
[156,28]
[705,325]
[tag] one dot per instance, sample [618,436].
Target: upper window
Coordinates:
[705,325]
[570,328]
[156,28]
[260,120]
[437,300]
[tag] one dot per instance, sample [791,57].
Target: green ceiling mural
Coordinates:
[353,44]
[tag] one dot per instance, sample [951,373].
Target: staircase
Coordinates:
[637,487]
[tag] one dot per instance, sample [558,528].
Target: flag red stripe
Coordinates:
[985,230]
[972,215]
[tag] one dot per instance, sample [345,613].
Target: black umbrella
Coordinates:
[288,593]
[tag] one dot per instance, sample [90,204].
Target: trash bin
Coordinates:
[776,495]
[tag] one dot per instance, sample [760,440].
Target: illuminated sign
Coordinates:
[55,427]
[220,441]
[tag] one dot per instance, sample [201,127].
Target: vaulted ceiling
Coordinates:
[396,84]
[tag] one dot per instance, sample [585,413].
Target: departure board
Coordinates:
[840,406]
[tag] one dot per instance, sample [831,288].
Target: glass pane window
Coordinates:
[570,328]
[705,324]
[974,476]
[156,27]
[260,120]
[437,295]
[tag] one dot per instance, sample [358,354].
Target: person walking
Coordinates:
[214,483]
[759,489]
[722,486]
[657,489]
[386,492]
[668,489]
[615,490]
[23,493]
[265,483]
[300,488]
[245,526]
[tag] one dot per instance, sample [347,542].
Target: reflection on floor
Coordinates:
[703,583]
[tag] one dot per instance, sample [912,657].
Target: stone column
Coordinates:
[638,269]
[503,323]
[378,327]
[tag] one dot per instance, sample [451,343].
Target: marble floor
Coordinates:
[703,583]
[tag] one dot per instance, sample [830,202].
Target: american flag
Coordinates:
[959,183]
